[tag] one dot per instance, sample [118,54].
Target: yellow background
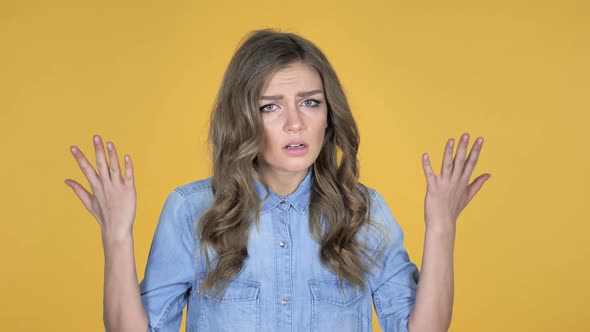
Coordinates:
[144,74]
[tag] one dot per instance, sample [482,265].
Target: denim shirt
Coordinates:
[282,286]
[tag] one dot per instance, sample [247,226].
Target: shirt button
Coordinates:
[285,301]
[282,244]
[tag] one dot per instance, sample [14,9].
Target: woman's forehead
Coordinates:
[295,76]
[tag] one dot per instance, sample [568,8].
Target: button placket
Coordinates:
[285,276]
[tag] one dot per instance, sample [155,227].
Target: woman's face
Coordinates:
[294,116]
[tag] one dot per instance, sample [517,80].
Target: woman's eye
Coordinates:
[311,102]
[267,108]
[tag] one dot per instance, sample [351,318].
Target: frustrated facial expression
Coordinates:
[295,117]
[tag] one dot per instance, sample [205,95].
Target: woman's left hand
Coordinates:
[449,193]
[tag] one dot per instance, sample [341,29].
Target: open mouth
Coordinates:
[295,146]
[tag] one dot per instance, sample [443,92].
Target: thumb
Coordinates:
[83,195]
[476,185]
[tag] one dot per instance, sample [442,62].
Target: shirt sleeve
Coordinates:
[394,285]
[170,270]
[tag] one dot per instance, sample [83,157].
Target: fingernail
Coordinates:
[109,146]
[73,149]
[95,139]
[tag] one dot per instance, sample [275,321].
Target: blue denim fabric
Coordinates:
[283,286]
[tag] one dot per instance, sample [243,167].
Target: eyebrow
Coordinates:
[299,94]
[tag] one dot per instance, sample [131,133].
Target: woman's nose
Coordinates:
[294,121]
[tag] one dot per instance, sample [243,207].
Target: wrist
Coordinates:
[442,227]
[113,237]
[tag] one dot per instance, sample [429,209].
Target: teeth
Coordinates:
[291,146]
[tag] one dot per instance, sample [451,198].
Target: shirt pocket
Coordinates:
[335,308]
[237,310]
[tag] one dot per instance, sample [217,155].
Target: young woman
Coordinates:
[282,237]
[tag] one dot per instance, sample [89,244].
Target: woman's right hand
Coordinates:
[113,198]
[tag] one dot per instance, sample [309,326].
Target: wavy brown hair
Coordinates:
[339,204]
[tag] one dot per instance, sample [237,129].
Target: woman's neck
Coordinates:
[283,183]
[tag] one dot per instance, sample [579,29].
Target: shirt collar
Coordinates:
[299,199]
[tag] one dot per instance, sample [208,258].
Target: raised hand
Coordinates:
[448,193]
[113,198]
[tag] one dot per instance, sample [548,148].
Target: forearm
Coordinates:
[434,297]
[123,309]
